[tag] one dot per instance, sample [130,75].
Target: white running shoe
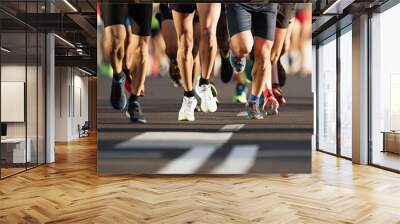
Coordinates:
[186,113]
[208,103]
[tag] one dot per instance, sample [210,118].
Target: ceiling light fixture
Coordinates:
[330,8]
[84,71]
[5,50]
[70,5]
[65,41]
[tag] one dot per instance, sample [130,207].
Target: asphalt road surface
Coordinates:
[224,142]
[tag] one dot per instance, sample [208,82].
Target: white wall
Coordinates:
[71,93]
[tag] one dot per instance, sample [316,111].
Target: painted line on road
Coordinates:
[200,147]
[239,161]
[189,162]
[175,140]
[231,127]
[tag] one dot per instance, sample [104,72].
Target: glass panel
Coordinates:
[13,86]
[31,100]
[346,94]
[41,99]
[32,87]
[327,97]
[385,83]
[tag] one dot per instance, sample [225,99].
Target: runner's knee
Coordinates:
[262,53]
[209,36]
[186,43]
[241,49]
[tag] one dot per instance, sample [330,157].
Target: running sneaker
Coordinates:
[118,97]
[238,64]
[240,94]
[214,92]
[226,70]
[207,100]
[186,113]
[277,92]
[134,112]
[271,105]
[253,111]
[174,74]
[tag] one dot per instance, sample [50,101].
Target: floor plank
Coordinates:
[70,191]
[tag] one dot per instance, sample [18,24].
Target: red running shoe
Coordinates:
[271,105]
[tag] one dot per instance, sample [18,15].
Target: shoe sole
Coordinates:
[185,119]
[204,108]
[274,111]
[132,121]
[255,118]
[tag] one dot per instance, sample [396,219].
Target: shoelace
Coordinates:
[187,105]
[208,92]
[239,61]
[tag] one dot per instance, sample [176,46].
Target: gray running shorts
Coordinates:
[260,19]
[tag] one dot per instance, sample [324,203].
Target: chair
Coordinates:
[84,130]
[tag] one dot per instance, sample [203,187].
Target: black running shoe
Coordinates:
[174,73]
[118,97]
[226,70]
[134,112]
[281,73]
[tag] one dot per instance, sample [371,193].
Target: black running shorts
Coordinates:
[165,11]
[286,12]
[183,8]
[258,18]
[136,15]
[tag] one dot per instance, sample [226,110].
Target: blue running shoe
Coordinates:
[238,64]
[253,111]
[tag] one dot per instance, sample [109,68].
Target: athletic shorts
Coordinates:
[303,12]
[258,18]
[286,12]
[183,8]
[136,15]
[166,12]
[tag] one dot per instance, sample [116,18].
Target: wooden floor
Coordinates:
[70,191]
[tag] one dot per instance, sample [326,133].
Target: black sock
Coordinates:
[118,76]
[133,98]
[188,93]
[203,82]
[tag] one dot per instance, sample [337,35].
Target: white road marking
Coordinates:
[239,161]
[231,127]
[175,140]
[202,146]
[189,162]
